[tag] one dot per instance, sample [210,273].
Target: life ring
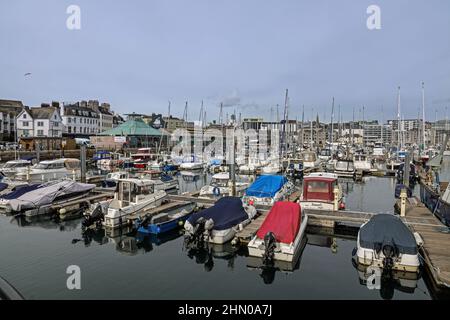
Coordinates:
[216,191]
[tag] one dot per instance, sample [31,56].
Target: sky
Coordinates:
[138,55]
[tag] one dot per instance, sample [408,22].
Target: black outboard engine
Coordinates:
[270,244]
[196,238]
[95,217]
[390,251]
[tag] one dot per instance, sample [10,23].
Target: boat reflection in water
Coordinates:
[268,271]
[45,222]
[92,234]
[147,241]
[208,253]
[387,282]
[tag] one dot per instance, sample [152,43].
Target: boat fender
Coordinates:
[216,191]
[209,224]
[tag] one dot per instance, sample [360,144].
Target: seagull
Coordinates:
[27,74]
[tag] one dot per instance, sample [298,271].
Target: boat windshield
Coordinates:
[219,182]
[15,165]
[43,166]
[309,157]
[325,152]
[345,165]
[317,187]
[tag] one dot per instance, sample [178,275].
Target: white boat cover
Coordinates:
[46,195]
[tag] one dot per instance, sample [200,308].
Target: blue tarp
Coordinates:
[266,186]
[226,213]
[166,178]
[20,191]
[3,186]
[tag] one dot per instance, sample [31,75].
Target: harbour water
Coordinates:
[36,254]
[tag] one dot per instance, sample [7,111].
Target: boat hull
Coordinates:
[286,252]
[436,205]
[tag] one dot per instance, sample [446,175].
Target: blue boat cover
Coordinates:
[20,191]
[226,213]
[165,178]
[3,186]
[266,186]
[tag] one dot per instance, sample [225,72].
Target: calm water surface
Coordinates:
[34,257]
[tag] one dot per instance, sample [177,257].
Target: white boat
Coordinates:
[272,168]
[111,179]
[279,237]
[362,162]
[220,186]
[161,181]
[268,189]
[132,196]
[446,153]
[11,168]
[141,158]
[219,223]
[387,243]
[252,166]
[310,159]
[322,191]
[325,155]
[344,168]
[51,170]
[192,163]
[7,185]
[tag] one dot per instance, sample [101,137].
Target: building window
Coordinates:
[24,116]
[74,120]
[40,133]
[25,123]
[40,123]
[69,120]
[69,129]
[26,133]
[56,124]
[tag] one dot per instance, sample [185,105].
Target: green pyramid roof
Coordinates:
[132,128]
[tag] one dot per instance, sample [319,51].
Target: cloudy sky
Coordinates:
[138,55]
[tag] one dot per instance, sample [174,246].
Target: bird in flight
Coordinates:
[27,74]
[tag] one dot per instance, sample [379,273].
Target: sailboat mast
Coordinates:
[423,115]
[398,121]
[332,119]
[303,124]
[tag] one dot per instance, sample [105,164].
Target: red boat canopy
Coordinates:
[318,188]
[283,220]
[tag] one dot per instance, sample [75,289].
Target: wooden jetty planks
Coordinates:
[436,238]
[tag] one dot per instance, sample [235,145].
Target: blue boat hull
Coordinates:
[159,228]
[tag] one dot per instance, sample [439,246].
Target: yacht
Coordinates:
[362,162]
[220,186]
[132,196]
[192,163]
[141,158]
[310,159]
[51,170]
[10,168]
[344,168]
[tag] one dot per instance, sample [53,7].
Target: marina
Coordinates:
[330,238]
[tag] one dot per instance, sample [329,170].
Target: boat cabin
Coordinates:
[309,156]
[345,166]
[69,164]
[220,180]
[319,187]
[132,191]
[101,155]
[15,164]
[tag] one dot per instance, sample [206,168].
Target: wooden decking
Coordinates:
[436,237]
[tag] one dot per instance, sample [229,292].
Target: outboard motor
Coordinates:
[96,216]
[390,251]
[196,236]
[270,244]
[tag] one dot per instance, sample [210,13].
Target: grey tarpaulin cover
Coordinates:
[46,195]
[387,229]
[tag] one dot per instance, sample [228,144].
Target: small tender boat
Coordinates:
[37,199]
[132,196]
[322,191]
[268,189]
[344,168]
[167,221]
[219,223]
[386,242]
[220,186]
[281,233]
[11,168]
[51,170]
